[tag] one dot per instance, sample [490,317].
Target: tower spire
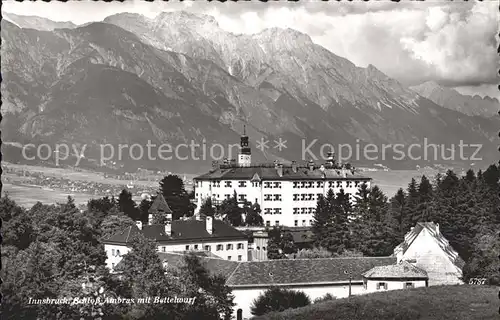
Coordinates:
[244,158]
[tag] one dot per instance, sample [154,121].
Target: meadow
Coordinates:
[460,302]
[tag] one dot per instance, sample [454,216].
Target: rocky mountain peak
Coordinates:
[285,35]
[187,18]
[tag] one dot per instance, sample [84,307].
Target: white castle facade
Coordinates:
[287,194]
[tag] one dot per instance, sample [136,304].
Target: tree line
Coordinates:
[466,208]
[56,251]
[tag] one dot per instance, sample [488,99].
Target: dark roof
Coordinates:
[295,271]
[283,272]
[182,231]
[215,265]
[432,229]
[399,271]
[271,173]
[159,204]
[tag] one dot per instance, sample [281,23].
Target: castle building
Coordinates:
[287,194]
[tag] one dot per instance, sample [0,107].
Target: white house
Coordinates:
[316,277]
[204,234]
[287,194]
[426,248]
[395,277]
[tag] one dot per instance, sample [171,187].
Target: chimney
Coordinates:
[294,166]
[279,169]
[276,164]
[209,225]
[139,224]
[215,165]
[226,161]
[311,165]
[330,159]
[168,225]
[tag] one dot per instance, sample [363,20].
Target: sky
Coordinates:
[451,43]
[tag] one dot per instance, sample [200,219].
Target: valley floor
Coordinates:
[25,195]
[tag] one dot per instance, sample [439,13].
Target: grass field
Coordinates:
[433,303]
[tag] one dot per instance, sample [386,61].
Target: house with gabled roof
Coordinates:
[426,248]
[403,275]
[200,234]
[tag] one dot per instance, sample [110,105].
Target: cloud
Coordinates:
[458,48]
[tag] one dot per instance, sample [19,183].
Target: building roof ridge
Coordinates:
[234,271]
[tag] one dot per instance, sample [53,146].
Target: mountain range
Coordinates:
[180,78]
[452,99]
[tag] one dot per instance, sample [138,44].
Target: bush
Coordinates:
[326,297]
[277,299]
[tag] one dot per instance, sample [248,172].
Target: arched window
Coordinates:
[239,314]
[118,253]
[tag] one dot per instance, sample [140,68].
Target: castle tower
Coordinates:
[245,155]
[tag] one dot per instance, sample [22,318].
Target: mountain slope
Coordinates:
[179,77]
[452,99]
[34,22]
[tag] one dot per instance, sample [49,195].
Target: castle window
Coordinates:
[277,210]
[295,210]
[277,185]
[267,211]
[339,184]
[228,184]
[296,223]
[229,246]
[276,223]
[319,184]
[228,257]
[240,246]
[295,197]
[295,184]
[187,247]
[163,249]
[318,196]
[268,223]
[267,184]
[195,247]
[220,247]
[267,197]
[239,258]
[303,223]
[277,197]
[242,184]
[409,285]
